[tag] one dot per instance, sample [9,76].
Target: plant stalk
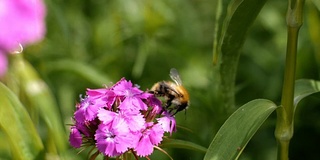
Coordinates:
[285,113]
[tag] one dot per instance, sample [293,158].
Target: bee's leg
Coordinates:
[152,92]
[168,104]
[185,113]
[165,108]
[174,113]
[156,93]
[169,100]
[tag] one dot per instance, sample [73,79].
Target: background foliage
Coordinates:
[95,42]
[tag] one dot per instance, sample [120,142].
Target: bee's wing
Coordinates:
[174,74]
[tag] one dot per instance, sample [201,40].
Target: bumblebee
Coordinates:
[173,92]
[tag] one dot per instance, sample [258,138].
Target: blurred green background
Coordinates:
[90,43]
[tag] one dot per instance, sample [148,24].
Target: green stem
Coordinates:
[285,114]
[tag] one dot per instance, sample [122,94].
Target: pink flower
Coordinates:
[156,105]
[168,123]
[88,108]
[150,137]
[87,129]
[135,122]
[106,117]
[133,105]
[133,96]
[132,122]
[125,88]
[75,137]
[119,119]
[87,111]
[111,141]
[104,95]
[21,21]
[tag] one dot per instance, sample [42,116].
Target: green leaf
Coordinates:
[175,143]
[17,125]
[237,18]
[232,23]
[84,70]
[304,88]
[238,129]
[40,100]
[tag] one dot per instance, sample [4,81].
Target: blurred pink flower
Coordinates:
[21,21]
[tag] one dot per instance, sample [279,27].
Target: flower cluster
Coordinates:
[120,118]
[21,22]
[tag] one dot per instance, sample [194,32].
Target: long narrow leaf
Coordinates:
[18,127]
[239,128]
[229,38]
[239,15]
[304,88]
[40,98]
[182,144]
[86,71]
